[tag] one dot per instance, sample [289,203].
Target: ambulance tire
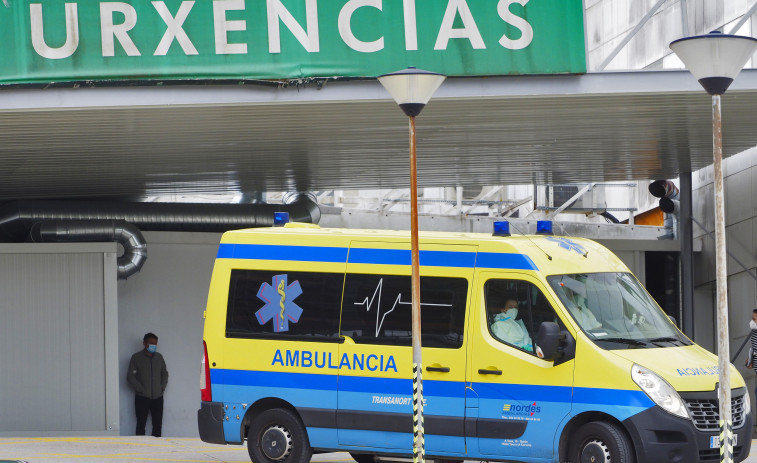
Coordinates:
[278,436]
[363,457]
[600,442]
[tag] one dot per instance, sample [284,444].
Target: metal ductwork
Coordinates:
[18,217]
[90,221]
[134,244]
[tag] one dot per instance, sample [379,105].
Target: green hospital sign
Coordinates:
[56,40]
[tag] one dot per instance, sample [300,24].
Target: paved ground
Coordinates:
[144,449]
[126,449]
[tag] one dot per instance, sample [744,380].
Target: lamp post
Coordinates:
[715,60]
[412,88]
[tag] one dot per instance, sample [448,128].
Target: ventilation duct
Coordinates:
[93,221]
[134,244]
[18,217]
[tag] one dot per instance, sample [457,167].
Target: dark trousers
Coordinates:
[154,407]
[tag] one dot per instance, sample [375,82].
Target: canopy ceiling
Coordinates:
[196,139]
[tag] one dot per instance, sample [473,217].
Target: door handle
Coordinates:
[483,371]
[438,369]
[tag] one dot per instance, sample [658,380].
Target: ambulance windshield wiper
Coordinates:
[666,339]
[633,342]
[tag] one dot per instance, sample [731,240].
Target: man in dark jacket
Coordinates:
[148,377]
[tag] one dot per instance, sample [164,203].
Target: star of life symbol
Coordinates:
[568,244]
[278,306]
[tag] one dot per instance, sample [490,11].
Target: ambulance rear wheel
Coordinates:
[363,457]
[600,442]
[278,436]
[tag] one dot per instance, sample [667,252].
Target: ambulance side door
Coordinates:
[375,392]
[522,399]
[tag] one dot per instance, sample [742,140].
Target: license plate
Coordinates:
[715,441]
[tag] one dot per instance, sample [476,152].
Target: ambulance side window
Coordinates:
[281,305]
[377,309]
[514,311]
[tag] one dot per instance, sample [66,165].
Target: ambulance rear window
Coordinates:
[281,305]
[377,310]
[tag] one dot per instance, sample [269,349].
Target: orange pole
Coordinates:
[418,436]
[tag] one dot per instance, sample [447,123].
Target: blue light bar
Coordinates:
[280,218]
[501,229]
[544,227]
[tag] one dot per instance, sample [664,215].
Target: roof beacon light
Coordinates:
[501,229]
[544,227]
[280,219]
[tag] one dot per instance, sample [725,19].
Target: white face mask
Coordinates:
[509,314]
[753,324]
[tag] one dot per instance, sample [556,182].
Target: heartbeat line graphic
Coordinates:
[368,303]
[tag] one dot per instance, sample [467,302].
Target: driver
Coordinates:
[507,329]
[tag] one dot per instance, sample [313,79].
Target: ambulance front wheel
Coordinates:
[600,442]
[278,436]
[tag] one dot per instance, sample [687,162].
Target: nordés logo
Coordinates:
[521,410]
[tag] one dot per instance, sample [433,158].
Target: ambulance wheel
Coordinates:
[278,436]
[363,457]
[600,442]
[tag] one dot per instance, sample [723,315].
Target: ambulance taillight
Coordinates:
[205,394]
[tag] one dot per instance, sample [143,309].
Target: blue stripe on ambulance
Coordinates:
[454,259]
[275,252]
[358,394]
[548,406]
[304,389]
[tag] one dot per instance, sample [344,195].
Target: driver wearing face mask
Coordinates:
[509,329]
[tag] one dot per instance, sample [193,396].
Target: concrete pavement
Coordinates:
[144,449]
[126,449]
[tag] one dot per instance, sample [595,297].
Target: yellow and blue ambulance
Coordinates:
[536,348]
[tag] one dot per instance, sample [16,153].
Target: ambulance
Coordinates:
[536,348]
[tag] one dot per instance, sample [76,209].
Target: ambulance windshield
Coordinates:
[616,311]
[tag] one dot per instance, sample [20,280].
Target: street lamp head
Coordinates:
[715,59]
[411,88]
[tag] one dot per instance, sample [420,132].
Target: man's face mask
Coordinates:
[151,348]
[506,315]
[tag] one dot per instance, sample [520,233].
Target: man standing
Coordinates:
[148,377]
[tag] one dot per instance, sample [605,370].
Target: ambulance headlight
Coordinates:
[747,403]
[659,391]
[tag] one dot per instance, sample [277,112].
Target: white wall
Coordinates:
[167,297]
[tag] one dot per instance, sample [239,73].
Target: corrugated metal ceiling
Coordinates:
[204,139]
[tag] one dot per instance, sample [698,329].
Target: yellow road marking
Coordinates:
[117,457]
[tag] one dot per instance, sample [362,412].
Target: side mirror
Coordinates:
[548,341]
[673,319]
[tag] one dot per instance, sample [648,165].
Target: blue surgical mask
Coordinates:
[151,348]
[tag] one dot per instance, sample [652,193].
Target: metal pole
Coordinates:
[687,256]
[418,444]
[724,364]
